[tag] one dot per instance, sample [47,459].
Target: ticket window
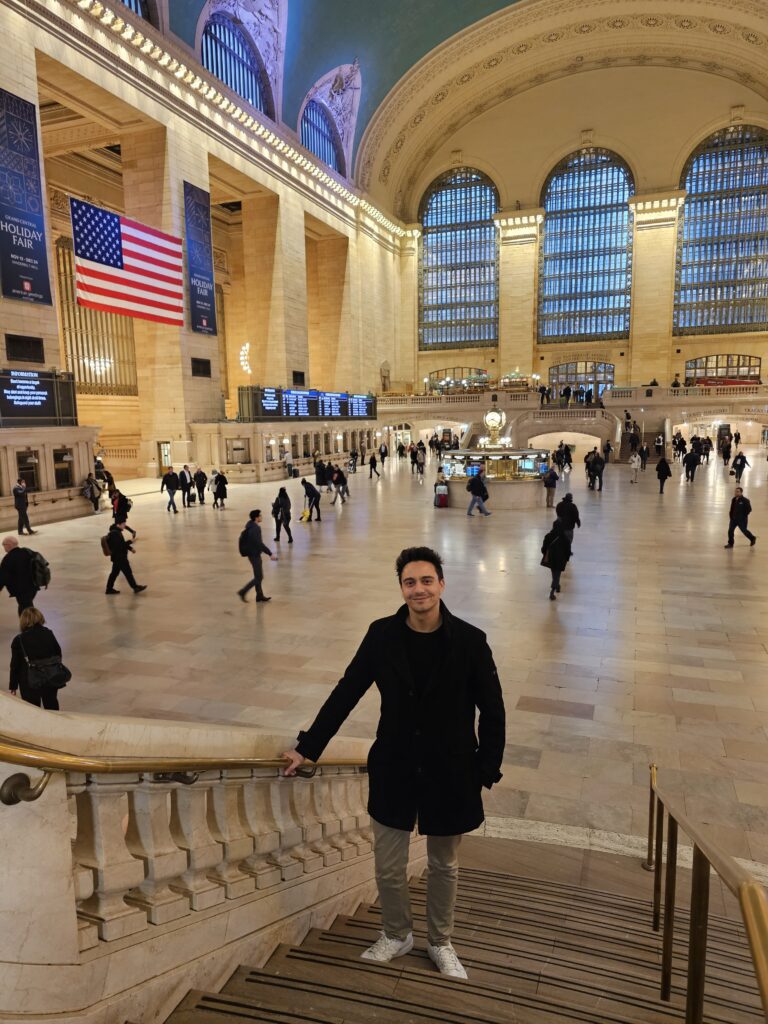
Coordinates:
[295,446]
[238,451]
[28,469]
[62,467]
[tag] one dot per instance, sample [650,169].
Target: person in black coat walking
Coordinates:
[21,504]
[170,483]
[663,472]
[312,497]
[428,764]
[16,574]
[220,491]
[185,483]
[568,513]
[691,462]
[738,517]
[555,552]
[200,480]
[372,463]
[254,547]
[33,643]
[281,513]
[118,549]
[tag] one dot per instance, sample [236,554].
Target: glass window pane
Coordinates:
[730,366]
[227,53]
[139,7]
[319,136]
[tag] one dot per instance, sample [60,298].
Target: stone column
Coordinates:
[328,312]
[404,371]
[275,277]
[155,165]
[653,284]
[519,236]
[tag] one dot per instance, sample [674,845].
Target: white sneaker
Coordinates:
[385,949]
[446,960]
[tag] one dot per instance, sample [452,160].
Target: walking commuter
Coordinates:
[659,444]
[17,574]
[220,491]
[328,476]
[21,504]
[555,553]
[739,464]
[281,511]
[478,490]
[414,458]
[118,552]
[312,497]
[92,491]
[738,517]
[170,483]
[319,467]
[212,486]
[353,457]
[550,479]
[420,460]
[252,546]
[691,463]
[200,480]
[185,483]
[372,462]
[607,449]
[430,693]
[634,441]
[737,438]
[663,472]
[340,485]
[627,420]
[121,506]
[383,453]
[634,465]
[568,513]
[362,454]
[645,453]
[34,643]
[597,466]
[725,451]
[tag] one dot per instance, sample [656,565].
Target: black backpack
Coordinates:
[242,543]
[41,571]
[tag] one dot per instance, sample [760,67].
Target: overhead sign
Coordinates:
[23,255]
[202,286]
[291,404]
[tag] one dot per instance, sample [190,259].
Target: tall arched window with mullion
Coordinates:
[721,284]
[140,7]
[319,136]
[227,52]
[585,273]
[459,262]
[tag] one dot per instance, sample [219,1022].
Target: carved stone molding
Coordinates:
[530,44]
[656,209]
[519,227]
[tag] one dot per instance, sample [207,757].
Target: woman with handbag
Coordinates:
[36,667]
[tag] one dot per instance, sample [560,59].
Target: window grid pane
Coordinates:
[319,136]
[598,376]
[458,273]
[722,253]
[227,53]
[585,271]
[730,367]
[139,7]
[99,346]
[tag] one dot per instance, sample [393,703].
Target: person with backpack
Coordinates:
[117,547]
[35,643]
[478,490]
[251,546]
[200,480]
[92,491]
[23,573]
[550,479]
[738,517]
[663,472]
[555,553]
[21,504]
[170,483]
[281,513]
[121,506]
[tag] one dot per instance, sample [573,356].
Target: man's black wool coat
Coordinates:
[428,763]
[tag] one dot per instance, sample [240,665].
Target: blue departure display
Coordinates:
[290,404]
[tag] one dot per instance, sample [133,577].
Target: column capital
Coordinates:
[410,239]
[657,209]
[519,226]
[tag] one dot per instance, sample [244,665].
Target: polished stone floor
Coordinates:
[657,648]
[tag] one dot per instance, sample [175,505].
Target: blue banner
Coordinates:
[23,256]
[202,291]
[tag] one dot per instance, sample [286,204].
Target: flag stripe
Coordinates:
[136,269]
[125,280]
[155,251]
[139,259]
[117,291]
[123,311]
[136,225]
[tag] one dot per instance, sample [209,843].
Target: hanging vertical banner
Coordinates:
[202,289]
[23,256]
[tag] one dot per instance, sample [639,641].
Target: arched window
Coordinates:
[722,369]
[585,273]
[459,279]
[581,375]
[319,136]
[721,283]
[140,7]
[227,53]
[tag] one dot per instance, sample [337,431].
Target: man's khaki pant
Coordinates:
[390,854]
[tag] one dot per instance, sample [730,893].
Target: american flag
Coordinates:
[125,267]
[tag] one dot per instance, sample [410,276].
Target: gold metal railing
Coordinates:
[170,769]
[706,855]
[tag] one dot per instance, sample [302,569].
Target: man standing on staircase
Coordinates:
[428,764]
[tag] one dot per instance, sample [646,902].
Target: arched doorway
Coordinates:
[580,377]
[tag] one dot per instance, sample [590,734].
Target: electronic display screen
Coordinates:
[270,401]
[292,404]
[299,404]
[27,394]
[332,404]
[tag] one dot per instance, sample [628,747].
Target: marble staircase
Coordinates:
[535,950]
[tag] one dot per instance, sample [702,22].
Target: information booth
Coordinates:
[513,476]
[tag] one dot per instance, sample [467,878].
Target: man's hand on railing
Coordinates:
[295,760]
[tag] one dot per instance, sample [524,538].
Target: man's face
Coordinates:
[421,587]
[8,544]
[739,492]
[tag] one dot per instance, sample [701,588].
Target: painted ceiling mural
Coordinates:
[387,39]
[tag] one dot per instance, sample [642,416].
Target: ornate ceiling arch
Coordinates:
[539,41]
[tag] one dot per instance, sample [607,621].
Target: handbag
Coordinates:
[44,673]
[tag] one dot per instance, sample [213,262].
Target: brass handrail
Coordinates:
[751,895]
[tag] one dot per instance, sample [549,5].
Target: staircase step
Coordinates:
[208,1008]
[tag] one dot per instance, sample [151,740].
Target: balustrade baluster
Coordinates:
[100,845]
[309,809]
[87,931]
[256,813]
[291,832]
[149,838]
[343,804]
[227,829]
[190,831]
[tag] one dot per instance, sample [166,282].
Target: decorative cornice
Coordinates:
[519,226]
[657,209]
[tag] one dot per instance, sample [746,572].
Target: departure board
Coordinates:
[289,404]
